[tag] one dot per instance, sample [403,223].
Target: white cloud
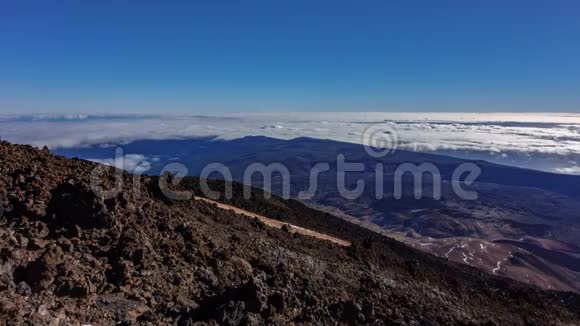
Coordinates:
[548,133]
[569,170]
[522,134]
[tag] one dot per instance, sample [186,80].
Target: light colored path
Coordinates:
[277,224]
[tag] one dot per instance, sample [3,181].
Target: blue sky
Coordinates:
[219,56]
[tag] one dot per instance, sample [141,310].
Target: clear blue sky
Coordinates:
[228,56]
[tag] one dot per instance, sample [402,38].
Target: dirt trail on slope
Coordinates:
[277,224]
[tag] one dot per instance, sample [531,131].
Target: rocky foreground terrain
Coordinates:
[68,256]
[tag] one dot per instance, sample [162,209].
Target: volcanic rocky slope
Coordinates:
[68,256]
[523,225]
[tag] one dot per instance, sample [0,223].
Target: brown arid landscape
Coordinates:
[527,234]
[70,257]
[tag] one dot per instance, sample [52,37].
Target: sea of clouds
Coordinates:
[548,142]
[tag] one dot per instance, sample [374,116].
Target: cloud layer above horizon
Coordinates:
[542,141]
